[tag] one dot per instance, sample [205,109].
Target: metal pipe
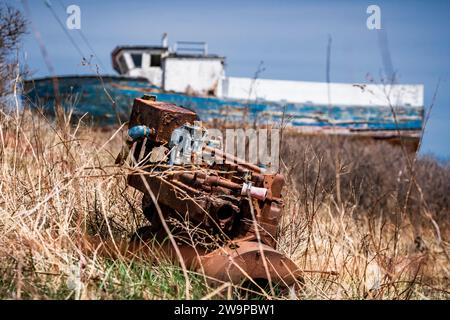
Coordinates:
[235,159]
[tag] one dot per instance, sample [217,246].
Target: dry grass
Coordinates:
[349,211]
[58,185]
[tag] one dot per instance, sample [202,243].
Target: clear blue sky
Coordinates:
[289,36]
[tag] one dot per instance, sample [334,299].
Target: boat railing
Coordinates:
[191,47]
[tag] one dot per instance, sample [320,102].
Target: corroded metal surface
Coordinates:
[234,262]
[162,117]
[223,214]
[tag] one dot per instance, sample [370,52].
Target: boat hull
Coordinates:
[106,98]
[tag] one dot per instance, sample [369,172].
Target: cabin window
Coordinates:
[137,59]
[155,60]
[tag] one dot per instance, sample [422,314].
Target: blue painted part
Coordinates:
[138,132]
[86,94]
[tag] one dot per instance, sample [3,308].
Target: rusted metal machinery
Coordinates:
[222,211]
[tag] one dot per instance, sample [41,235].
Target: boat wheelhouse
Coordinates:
[186,68]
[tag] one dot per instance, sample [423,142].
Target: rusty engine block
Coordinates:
[223,211]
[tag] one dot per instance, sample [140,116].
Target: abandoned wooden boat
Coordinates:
[188,75]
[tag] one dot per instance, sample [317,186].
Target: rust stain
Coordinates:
[209,206]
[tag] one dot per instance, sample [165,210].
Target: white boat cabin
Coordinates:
[186,68]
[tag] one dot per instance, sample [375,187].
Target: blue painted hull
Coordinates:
[86,94]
